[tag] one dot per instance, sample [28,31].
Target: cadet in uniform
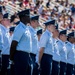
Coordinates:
[21,44]
[1,17]
[70,54]
[39,33]
[6,44]
[63,51]
[0,48]
[46,48]
[11,63]
[56,54]
[33,24]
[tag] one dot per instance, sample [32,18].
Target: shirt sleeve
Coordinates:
[1,40]
[18,34]
[43,40]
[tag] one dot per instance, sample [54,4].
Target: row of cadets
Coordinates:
[60,53]
[21,45]
[67,51]
[5,23]
[66,54]
[46,48]
[70,54]
[33,24]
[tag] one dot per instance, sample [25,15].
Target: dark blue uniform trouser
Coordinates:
[55,68]
[74,70]
[30,67]
[46,64]
[63,67]
[21,60]
[35,65]
[5,64]
[11,69]
[0,65]
[0,61]
[69,69]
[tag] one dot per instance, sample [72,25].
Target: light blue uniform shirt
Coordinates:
[37,55]
[46,42]
[11,37]
[74,53]
[34,40]
[56,54]
[23,37]
[6,40]
[63,51]
[1,39]
[70,53]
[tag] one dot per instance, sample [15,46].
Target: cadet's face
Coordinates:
[36,23]
[56,33]
[52,28]
[27,19]
[63,37]
[72,39]
[6,21]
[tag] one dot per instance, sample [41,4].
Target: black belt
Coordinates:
[32,54]
[0,50]
[5,55]
[47,55]
[63,62]
[70,65]
[22,51]
[56,62]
